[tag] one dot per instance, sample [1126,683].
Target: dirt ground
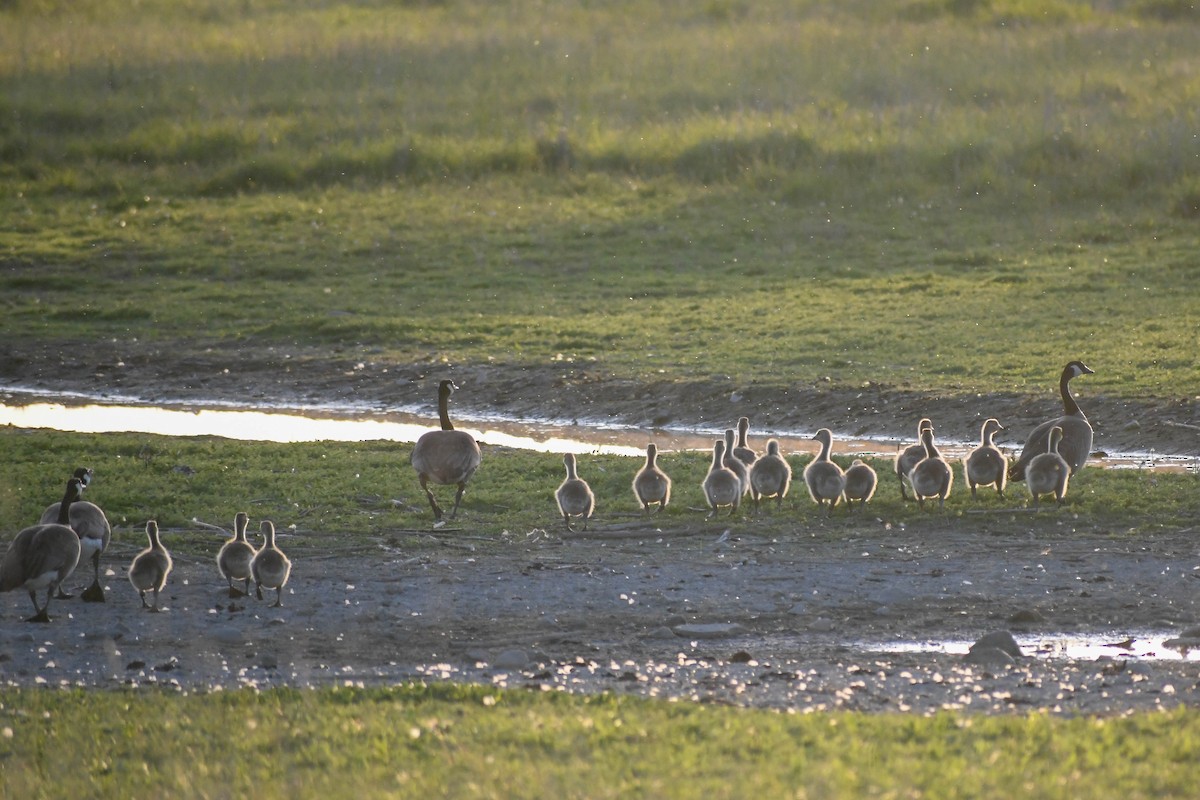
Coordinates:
[864,616]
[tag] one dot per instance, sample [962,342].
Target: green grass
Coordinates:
[452,741]
[947,196]
[352,492]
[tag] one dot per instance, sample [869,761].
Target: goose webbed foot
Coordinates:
[61,595]
[236,592]
[41,616]
[94,593]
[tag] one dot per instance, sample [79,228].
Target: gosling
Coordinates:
[150,568]
[825,480]
[270,567]
[574,496]
[861,482]
[986,465]
[235,556]
[770,476]
[722,489]
[651,485]
[1048,472]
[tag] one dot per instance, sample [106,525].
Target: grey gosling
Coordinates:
[721,485]
[932,476]
[1076,444]
[861,481]
[985,465]
[825,480]
[94,532]
[42,556]
[907,458]
[735,464]
[743,451]
[770,476]
[1049,471]
[270,567]
[447,457]
[150,568]
[235,556]
[651,485]
[574,496]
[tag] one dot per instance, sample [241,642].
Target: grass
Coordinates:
[730,189]
[453,741]
[326,491]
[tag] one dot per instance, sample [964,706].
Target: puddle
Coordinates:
[1142,645]
[27,408]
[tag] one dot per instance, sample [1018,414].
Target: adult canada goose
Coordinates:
[907,458]
[574,496]
[985,465]
[270,567]
[721,485]
[651,485]
[861,481]
[446,457]
[93,530]
[770,476]
[932,476]
[825,480]
[235,556]
[1049,471]
[150,568]
[734,463]
[42,556]
[743,451]
[1076,443]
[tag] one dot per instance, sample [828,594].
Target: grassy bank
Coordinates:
[331,491]
[449,741]
[942,196]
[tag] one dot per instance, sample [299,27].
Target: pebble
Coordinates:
[709,630]
[999,640]
[511,659]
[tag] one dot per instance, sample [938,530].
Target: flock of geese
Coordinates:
[41,557]
[1053,452]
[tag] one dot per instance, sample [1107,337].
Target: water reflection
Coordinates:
[1139,645]
[83,414]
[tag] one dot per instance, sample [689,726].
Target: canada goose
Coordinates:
[986,465]
[770,476]
[861,481]
[907,458]
[150,568]
[1076,444]
[446,457]
[721,484]
[270,567]
[825,480]
[574,496]
[234,557]
[744,452]
[42,556]
[94,532]
[651,485]
[735,464]
[1049,471]
[932,476]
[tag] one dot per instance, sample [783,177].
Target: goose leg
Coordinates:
[458,496]
[95,592]
[41,615]
[278,597]
[433,503]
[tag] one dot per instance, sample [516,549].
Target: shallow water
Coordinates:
[80,413]
[1153,645]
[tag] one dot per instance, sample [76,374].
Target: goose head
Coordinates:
[1076,368]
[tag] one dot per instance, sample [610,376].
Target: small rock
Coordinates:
[511,659]
[228,634]
[1026,616]
[268,661]
[992,656]
[709,630]
[1000,640]
[821,625]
